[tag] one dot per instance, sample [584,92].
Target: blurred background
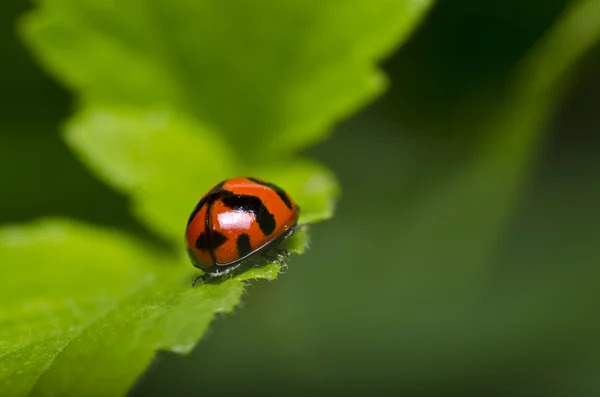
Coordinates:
[415,286]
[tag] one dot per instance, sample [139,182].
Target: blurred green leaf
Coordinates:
[167,161]
[270,76]
[475,191]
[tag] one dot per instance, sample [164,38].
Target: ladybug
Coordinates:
[236,220]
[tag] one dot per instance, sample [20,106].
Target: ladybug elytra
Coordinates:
[237,219]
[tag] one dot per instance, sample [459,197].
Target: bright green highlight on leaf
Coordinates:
[174,96]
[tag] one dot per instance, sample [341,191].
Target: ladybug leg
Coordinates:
[281,257]
[283,252]
[196,280]
[272,258]
[281,260]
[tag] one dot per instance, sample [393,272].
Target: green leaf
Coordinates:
[174,97]
[167,161]
[58,279]
[96,306]
[278,72]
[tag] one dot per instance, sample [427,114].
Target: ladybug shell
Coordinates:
[235,219]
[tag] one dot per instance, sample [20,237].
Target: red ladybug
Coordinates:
[237,219]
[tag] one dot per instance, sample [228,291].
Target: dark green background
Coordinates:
[356,314]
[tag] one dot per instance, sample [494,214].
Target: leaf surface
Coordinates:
[278,72]
[97,306]
[175,96]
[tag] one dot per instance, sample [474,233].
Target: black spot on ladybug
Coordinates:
[202,242]
[266,220]
[209,195]
[282,195]
[243,245]
[211,242]
[216,240]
